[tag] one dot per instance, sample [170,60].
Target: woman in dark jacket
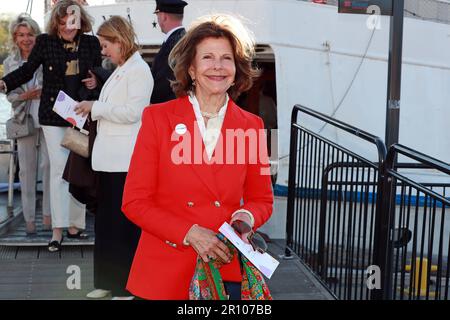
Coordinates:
[67,56]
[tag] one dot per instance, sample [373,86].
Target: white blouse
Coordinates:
[211,132]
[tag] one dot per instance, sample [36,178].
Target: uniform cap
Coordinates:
[170,6]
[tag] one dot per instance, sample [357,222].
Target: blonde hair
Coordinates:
[59,11]
[117,29]
[23,20]
[215,26]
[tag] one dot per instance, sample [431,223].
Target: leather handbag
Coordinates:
[76,141]
[16,129]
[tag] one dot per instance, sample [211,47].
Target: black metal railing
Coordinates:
[347,214]
[417,265]
[330,216]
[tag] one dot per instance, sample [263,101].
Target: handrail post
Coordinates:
[394,73]
[382,256]
[381,232]
[291,185]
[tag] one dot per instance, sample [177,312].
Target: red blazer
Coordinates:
[165,198]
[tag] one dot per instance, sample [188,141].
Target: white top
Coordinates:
[211,132]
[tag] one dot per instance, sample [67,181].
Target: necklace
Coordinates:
[209,115]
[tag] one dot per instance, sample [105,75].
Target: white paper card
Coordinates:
[263,261]
[64,106]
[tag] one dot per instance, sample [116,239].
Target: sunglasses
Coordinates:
[255,239]
[23,18]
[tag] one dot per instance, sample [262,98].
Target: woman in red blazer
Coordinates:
[199,161]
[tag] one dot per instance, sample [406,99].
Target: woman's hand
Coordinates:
[84,107]
[207,245]
[242,216]
[31,94]
[91,81]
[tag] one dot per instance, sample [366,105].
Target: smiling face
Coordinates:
[24,39]
[64,32]
[111,50]
[213,67]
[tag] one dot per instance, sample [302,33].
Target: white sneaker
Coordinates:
[123,298]
[98,294]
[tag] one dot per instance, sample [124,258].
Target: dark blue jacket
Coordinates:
[162,92]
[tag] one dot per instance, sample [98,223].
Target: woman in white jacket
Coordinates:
[118,113]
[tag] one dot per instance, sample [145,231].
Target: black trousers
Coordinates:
[233,289]
[116,237]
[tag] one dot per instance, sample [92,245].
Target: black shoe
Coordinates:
[55,245]
[80,235]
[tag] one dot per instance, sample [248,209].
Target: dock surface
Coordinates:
[28,271]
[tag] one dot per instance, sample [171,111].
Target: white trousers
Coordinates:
[66,210]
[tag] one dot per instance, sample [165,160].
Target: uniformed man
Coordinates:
[170,19]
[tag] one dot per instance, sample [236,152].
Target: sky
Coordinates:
[18,6]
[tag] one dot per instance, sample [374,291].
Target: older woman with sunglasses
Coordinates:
[199,161]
